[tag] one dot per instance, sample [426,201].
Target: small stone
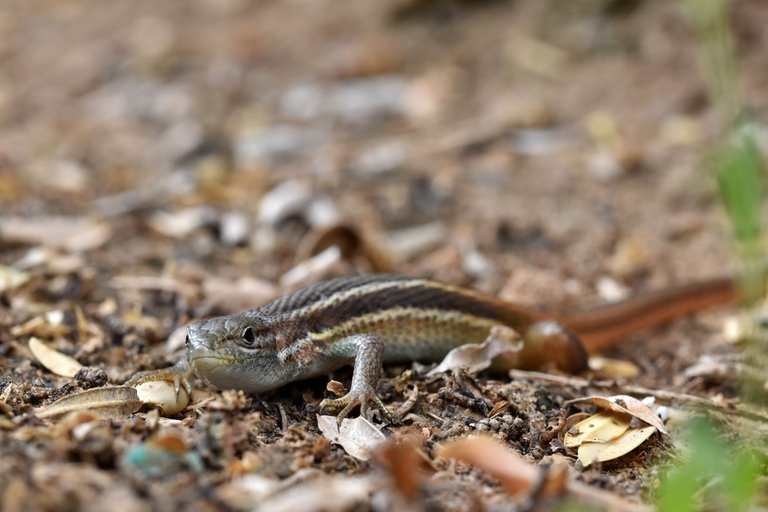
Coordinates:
[92,377]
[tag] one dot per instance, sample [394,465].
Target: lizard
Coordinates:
[370,320]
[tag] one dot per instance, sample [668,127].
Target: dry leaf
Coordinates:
[296,199]
[48,326]
[351,241]
[73,234]
[405,462]
[311,270]
[181,223]
[614,368]
[316,493]
[162,393]
[239,295]
[515,474]
[477,357]
[357,436]
[159,283]
[520,477]
[11,278]
[109,402]
[624,404]
[53,360]
[599,428]
[600,452]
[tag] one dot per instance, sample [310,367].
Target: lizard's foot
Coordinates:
[361,395]
[179,374]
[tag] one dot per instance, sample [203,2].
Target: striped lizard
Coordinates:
[375,319]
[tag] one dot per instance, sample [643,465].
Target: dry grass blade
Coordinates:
[109,402]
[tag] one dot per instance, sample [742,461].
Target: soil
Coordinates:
[201,155]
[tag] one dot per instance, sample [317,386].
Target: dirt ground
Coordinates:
[161,162]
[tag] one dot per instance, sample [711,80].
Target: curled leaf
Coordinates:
[501,342]
[628,441]
[516,474]
[599,428]
[624,404]
[351,241]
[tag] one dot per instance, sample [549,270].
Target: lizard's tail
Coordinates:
[609,324]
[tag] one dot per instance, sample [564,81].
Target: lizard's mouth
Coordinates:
[204,360]
[206,365]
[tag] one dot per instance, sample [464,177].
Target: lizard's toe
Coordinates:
[364,397]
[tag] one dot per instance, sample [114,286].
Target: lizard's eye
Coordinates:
[249,338]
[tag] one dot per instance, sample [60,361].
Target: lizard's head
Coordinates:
[235,352]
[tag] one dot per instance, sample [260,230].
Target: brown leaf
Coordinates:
[351,241]
[515,474]
[406,463]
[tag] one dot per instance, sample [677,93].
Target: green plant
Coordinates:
[714,475]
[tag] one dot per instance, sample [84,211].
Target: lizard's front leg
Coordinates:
[368,353]
[180,374]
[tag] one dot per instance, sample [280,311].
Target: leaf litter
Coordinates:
[455,197]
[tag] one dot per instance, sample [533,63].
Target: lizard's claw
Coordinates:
[363,396]
[179,375]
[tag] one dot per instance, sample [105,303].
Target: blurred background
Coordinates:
[162,162]
[467,140]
